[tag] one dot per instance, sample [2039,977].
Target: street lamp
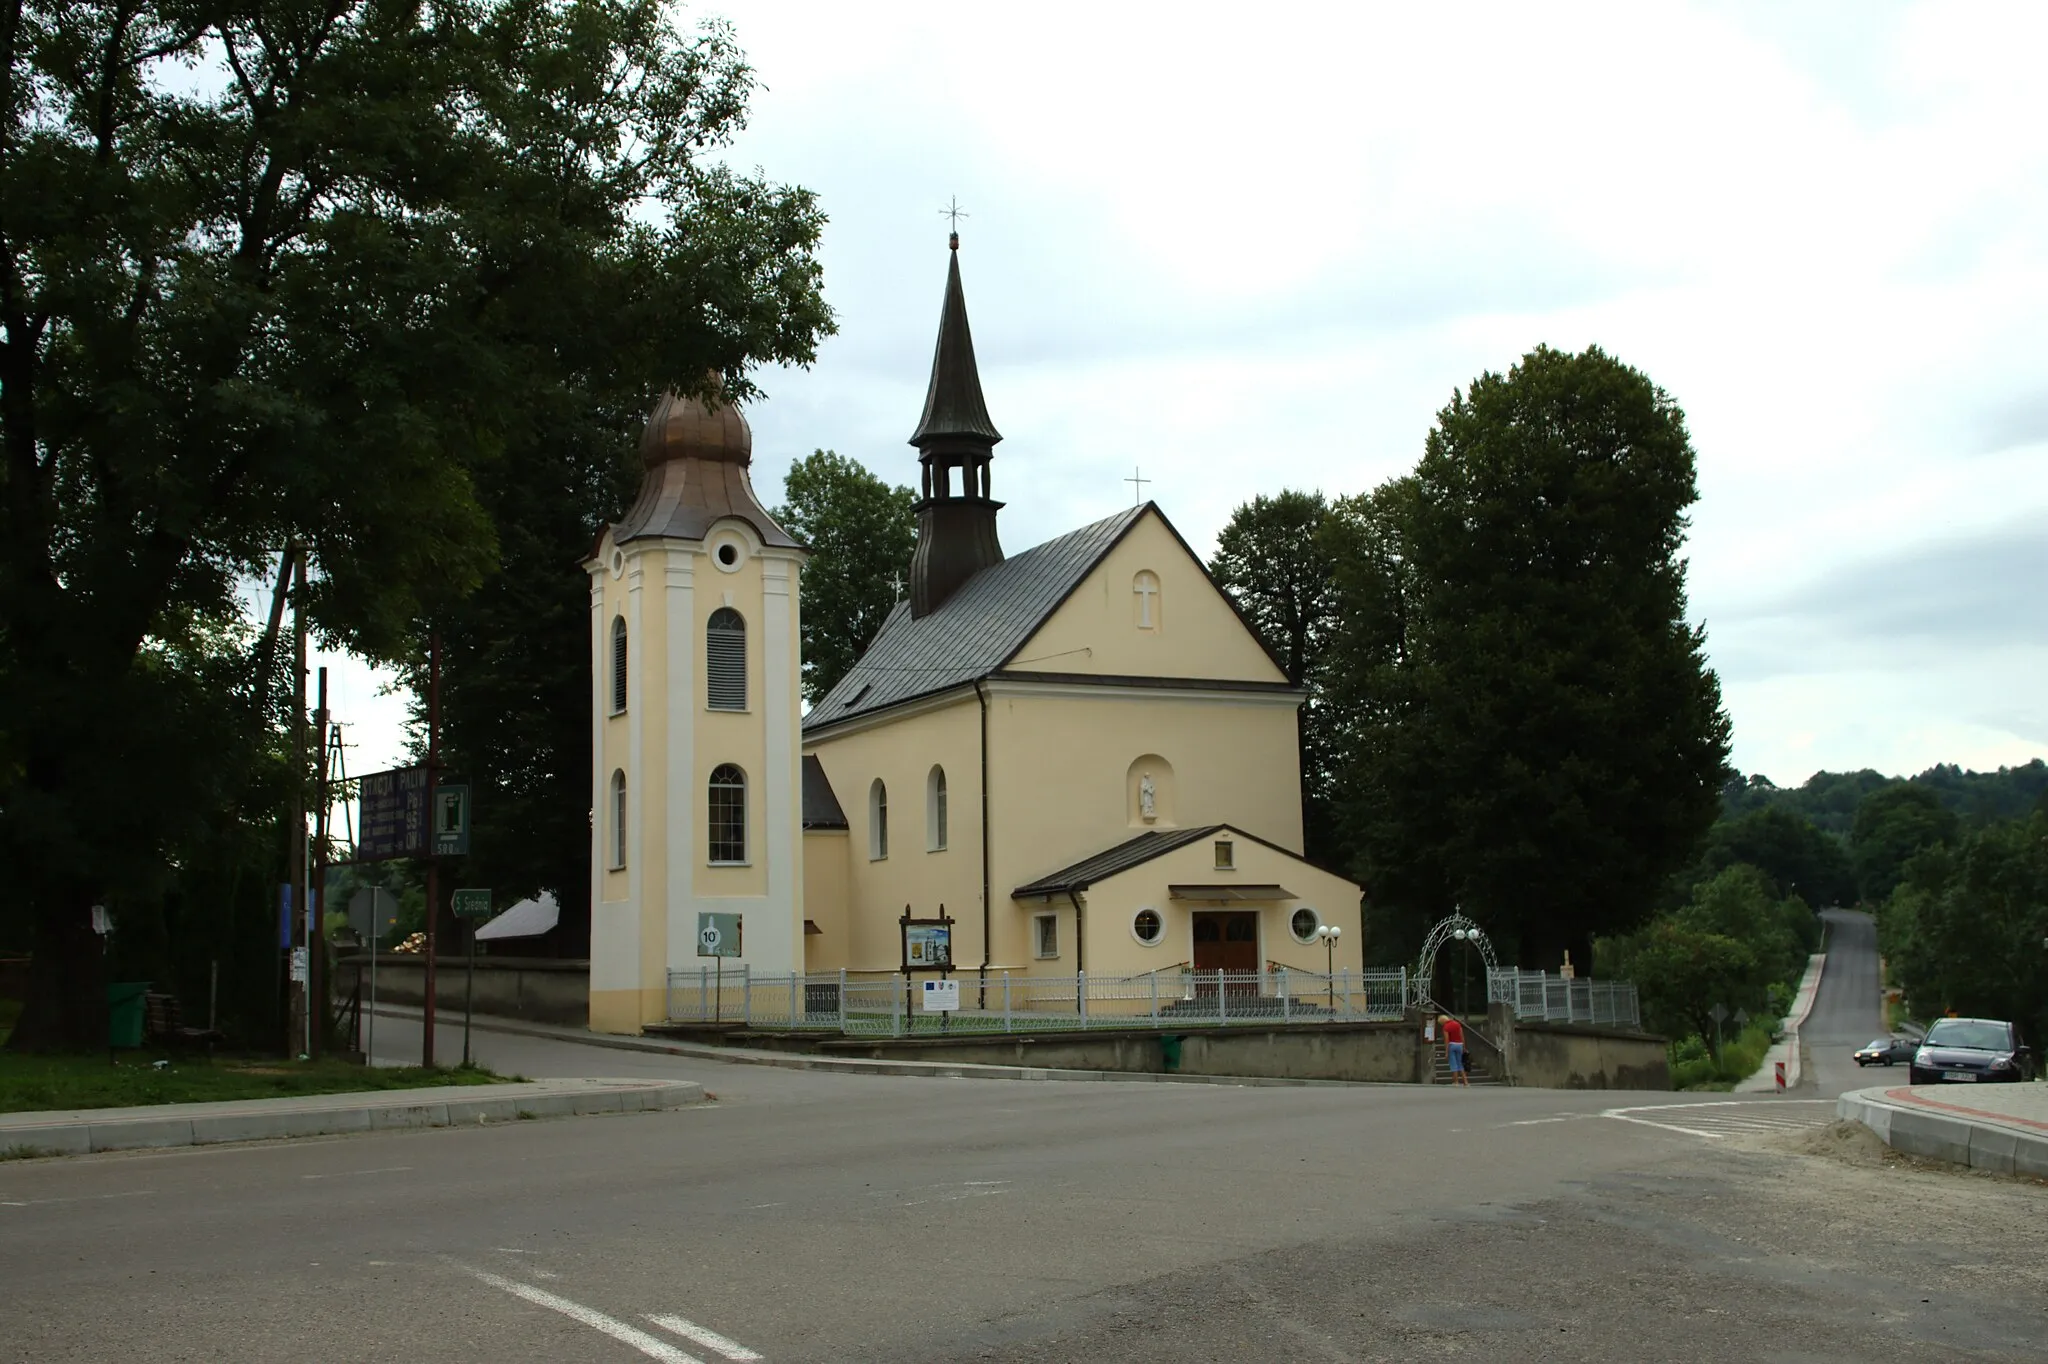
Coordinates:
[1464,965]
[1329,935]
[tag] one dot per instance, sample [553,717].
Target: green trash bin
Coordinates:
[124,1013]
[1169,1047]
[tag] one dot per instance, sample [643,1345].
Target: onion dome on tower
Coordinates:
[956,530]
[696,452]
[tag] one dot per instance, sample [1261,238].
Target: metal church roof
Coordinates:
[976,630]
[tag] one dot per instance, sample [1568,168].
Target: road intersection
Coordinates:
[807,1216]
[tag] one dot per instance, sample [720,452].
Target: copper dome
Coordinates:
[684,428]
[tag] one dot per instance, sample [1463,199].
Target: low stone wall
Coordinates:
[1388,1053]
[1578,1056]
[538,989]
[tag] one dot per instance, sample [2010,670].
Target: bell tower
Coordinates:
[695,714]
[956,525]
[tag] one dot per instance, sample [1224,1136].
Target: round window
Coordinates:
[618,563]
[1147,927]
[1305,923]
[728,555]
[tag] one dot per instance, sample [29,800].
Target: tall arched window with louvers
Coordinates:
[725,660]
[618,665]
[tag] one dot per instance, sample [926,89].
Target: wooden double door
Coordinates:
[1226,940]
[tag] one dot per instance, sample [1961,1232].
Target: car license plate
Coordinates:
[1957,1075]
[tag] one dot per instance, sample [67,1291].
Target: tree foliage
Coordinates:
[1964,929]
[1891,827]
[1549,745]
[307,272]
[1274,560]
[1789,849]
[861,531]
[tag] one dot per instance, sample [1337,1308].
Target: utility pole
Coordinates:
[316,936]
[433,863]
[298,1018]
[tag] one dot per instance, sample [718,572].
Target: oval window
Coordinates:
[1305,923]
[1147,927]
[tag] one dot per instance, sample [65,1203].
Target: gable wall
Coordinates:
[1060,758]
[1194,631]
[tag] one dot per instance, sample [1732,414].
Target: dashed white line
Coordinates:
[705,1336]
[654,1347]
[356,1174]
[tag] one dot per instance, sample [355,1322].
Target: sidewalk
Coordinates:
[1766,1077]
[848,1065]
[1988,1127]
[317,1115]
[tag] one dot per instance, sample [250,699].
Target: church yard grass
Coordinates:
[61,1083]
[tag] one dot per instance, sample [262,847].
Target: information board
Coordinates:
[941,996]
[394,822]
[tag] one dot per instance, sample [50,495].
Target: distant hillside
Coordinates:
[1830,799]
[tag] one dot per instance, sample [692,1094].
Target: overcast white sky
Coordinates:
[1256,247]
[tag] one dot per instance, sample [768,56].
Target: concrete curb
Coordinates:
[1980,1142]
[83,1131]
[861,1065]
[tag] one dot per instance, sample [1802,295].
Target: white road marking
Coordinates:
[81,1198]
[705,1336]
[357,1174]
[1711,1122]
[954,1197]
[654,1347]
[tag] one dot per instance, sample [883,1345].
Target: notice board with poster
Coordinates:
[927,943]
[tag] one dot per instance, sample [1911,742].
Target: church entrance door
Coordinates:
[1227,940]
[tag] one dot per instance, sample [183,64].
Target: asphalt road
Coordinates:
[839,1218]
[1847,1009]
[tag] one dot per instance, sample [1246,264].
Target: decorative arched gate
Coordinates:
[1452,928]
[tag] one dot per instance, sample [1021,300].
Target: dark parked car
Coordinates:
[1887,1051]
[1972,1050]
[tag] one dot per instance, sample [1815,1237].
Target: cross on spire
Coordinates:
[1137,487]
[953,211]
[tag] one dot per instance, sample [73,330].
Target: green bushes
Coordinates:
[1693,1066]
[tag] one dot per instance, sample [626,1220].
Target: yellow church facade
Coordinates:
[1081,754]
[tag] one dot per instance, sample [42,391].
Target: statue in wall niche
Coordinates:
[1148,800]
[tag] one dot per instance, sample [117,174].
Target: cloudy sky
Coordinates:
[1245,248]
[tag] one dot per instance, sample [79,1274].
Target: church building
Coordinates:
[1082,754]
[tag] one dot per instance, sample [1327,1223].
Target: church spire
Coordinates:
[956,531]
[954,412]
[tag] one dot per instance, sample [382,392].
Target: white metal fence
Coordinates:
[1540,996]
[884,1006]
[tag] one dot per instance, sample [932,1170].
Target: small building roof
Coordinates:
[1083,874]
[821,805]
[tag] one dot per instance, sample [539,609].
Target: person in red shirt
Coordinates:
[1454,1039]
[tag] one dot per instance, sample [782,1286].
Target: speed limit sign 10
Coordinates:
[718,935]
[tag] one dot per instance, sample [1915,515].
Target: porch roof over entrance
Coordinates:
[1231,892]
[1122,857]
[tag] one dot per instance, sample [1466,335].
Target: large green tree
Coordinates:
[1559,745]
[314,292]
[1790,849]
[1275,562]
[861,531]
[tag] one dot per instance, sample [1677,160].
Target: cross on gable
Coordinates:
[1137,486]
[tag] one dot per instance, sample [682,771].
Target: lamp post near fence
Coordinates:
[1329,934]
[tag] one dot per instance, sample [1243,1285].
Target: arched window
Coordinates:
[725,660]
[618,665]
[935,810]
[878,821]
[618,820]
[728,807]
